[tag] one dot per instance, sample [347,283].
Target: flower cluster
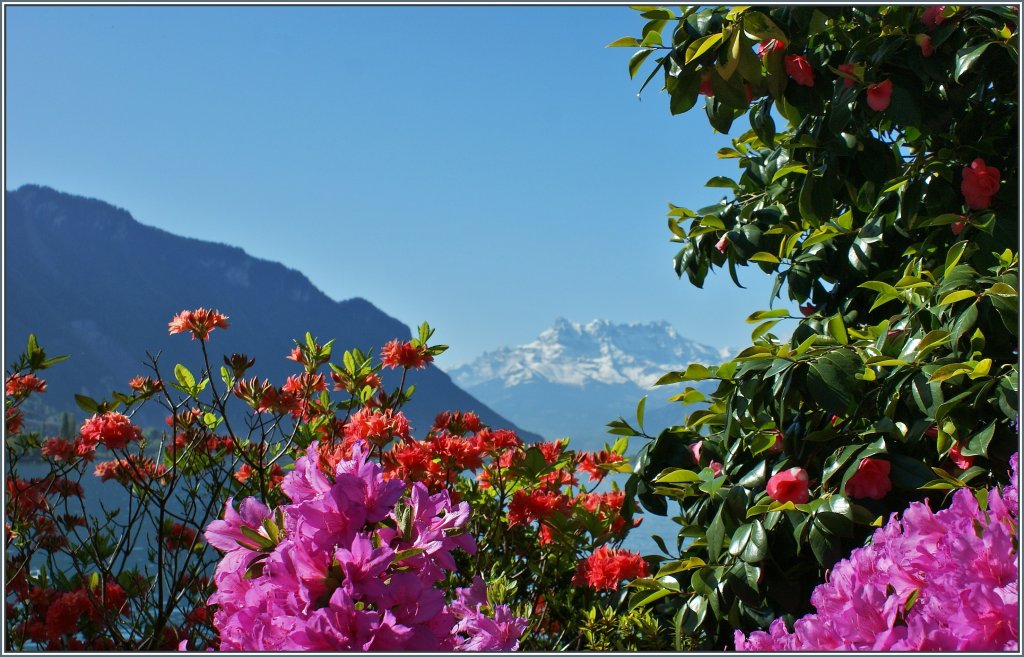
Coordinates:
[114,430]
[928,581]
[199,322]
[352,563]
[607,567]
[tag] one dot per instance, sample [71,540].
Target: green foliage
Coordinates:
[908,343]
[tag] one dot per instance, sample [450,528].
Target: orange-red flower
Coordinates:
[22,385]
[403,354]
[199,322]
[607,567]
[111,429]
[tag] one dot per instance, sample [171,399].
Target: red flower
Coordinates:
[58,449]
[404,354]
[606,567]
[716,468]
[13,421]
[789,486]
[722,244]
[179,537]
[879,95]
[955,455]
[705,85]
[850,77]
[769,46]
[808,309]
[200,322]
[925,43]
[871,479]
[22,385]
[957,226]
[590,463]
[111,429]
[798,68]
[979,185]
[525,507]
[932,17]
[62,616]
[778,445]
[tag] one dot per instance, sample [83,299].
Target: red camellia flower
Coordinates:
[112,429]
[779,443]
[879,95]
[956,456]
[769,46]
[789,486]
[705,85]
[200,322]
[404,354]
[957,227]
[798,68]
[924,42]
[808,309]
[980,183]
[606,567]
[871,480]
[932,17]
[723,244]
[850,77]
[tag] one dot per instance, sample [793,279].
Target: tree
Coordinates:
[886,206]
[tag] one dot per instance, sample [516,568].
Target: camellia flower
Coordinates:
[879,95]
[199,322]
[705,85]
[956,456]
[957,227]
[723,244]
[799,69]
[769,46]
[932,17]
[980,183]
[924,42]
[871,480]
[850,77]
[789,486]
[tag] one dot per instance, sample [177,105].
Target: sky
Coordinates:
[487,169]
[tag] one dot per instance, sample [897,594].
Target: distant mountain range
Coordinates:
[575,378]
[91,281]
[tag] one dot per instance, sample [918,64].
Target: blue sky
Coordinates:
[487,169]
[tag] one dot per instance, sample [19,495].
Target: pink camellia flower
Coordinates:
[798,68]
[871,480]
[778,445]
[722,244]
[716,467]
[879,95]
[695,450]
[789,486]
[924,42]
[932,17]
[850,74]
[980,183]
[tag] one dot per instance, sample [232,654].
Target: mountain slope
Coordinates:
[92,282]
[574,378]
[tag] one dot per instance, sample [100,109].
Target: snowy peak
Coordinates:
[573,353]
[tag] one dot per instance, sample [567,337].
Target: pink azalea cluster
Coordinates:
[928,581]
[352,564]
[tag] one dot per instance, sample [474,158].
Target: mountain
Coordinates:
[92,282]
[575,378]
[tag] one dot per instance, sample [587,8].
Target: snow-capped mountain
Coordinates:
[575,378]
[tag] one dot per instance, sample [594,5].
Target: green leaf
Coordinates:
[957,295]
[722,181]
[624,42]
[640,411]
[677,476]
[760,27]
[184,376]
[701,46]
[87,404]
[837,329]
[1001,290]
[966,58]
[764,256]
[831,380]
[637,60]
[716,535]
[766,314]
[953,256]
[788,169]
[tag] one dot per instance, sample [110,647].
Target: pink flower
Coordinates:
[879,95]
[779,444]
[798,68]
[716,467]
[404,354]
[199,322]
[112,429]
[979,185]
[722,244]
[789,486]
[871,480]
[705,85]
[924,42]
[932,17]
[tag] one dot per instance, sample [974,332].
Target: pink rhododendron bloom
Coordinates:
[960,564]
[879,95]
[799,69]
[789,486]
[871,480]
[199,322]
[403,354]
[980,183]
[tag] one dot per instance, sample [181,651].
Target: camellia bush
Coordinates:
[295,517]
[877,150]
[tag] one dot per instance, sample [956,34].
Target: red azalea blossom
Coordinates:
[13,421]
[789,486]
[525,507]
[376,427]
[716,468]
[179,537]
[199,322]
[799,69]
[879,95]
[957,457]
[131,469]
[22,385]
[871,480]
[607,567]
[403,354]
[111,429]
[58,449]
[589,463]
[980,183]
